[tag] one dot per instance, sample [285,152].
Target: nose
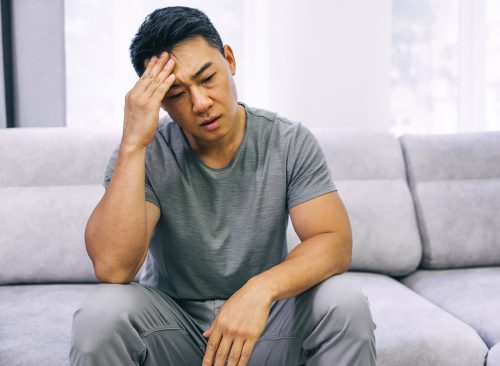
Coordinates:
[201,101]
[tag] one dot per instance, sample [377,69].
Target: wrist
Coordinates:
[264,287]
[131,148]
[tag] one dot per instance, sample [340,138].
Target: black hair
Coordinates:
[164,28]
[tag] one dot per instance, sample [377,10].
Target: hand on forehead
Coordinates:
[192,57]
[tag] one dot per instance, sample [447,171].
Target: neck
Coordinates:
[227,145]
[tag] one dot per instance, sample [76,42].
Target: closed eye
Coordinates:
[175,96]
[208,78]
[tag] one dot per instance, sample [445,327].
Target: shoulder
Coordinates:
[281,126]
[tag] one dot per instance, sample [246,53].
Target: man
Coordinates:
[205,197]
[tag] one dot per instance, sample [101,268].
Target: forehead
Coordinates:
[190,55]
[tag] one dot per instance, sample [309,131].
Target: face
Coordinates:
[203,90]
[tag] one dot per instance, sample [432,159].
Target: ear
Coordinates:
[228,53]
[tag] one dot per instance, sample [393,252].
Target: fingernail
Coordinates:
[170,62]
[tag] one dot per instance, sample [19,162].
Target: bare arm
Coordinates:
[120,228]
[127,235]
[326,248]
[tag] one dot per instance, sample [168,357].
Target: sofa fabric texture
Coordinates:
[36,320]
[455,180]
[426,239]
[412,330]
[466,293]
[369,171]
[34,245]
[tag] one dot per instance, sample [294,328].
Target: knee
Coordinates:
[102,314]
[347,305]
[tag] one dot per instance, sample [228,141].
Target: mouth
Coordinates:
[209,121]
[211,124]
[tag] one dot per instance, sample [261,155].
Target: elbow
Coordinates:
[112,275]
[348,255]
[104,271]
[348,263]
[344,253]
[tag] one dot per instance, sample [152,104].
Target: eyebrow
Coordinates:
[200,70]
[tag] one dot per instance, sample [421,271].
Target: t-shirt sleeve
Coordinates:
[308,175]
[108,173]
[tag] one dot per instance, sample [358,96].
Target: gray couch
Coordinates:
[425,218]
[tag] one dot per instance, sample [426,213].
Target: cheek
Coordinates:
[231,87]
[175,106]
[225,87]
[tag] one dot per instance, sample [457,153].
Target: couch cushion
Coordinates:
[369,173]
[494,356]
[410,330]
[413,331]
[49,184]
[471,294]
[53,156]
[455,180]
[43,233]
[36,321]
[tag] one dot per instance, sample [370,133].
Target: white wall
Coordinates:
[330,62]
[325,63]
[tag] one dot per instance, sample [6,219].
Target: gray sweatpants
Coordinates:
[133,324]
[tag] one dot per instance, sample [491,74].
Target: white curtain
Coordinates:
[444,75]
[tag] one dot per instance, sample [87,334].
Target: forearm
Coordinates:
[115,235]
[309,263]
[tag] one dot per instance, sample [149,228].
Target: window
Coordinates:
[444,59]
[445,76]
[492,65]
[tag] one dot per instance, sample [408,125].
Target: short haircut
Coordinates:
[165,28]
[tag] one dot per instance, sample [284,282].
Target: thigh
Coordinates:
[288,337]
[151,324]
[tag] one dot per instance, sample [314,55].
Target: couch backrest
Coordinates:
[368,170]
[455,180]
[50,181]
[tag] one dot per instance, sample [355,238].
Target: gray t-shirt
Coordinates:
[220,227]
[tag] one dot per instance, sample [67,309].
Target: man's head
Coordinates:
[165,28]
[204,87]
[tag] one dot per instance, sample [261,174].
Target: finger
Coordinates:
[223,351]
[234,355]
[157,66]
[154,67]
[148,72]
[162,89]
[212,345]
[153,86]
[246,352]
[145,74]
[208,331]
